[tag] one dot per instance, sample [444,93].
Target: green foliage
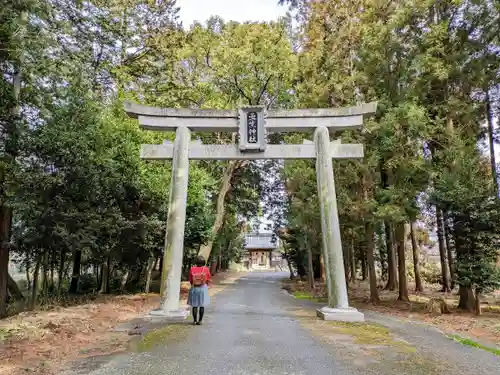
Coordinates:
[427,65]
[249,63]
[82,198]
[69,166]
[464,190]
[430,273]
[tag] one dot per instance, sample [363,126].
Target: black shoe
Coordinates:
[198,323]
[195,323]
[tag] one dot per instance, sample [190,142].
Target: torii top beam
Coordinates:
[217,120]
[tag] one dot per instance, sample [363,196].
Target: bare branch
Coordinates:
[137,55]
[207,59]
[264,88]
[241,90]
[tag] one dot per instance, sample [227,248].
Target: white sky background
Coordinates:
[229,10]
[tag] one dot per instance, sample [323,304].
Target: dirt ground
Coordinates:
[485,328]
[42,342]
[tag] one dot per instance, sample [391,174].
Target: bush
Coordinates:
[479,274]
[430,273]
[410,271]
[87,283]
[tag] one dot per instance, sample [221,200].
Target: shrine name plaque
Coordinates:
[252,129]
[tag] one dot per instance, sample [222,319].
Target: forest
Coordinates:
[81,213]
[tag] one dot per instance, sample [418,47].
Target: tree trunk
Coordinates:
[219,262]
[123,283]
[442,251]
[416,261]
[5,229]
[187,267]
[352,262]
[346,252]
[105,276]
[10,151]
[383,254]
[160,266]
[77,262]
[97,274]
[28,279]
[149,271]
[451,263]
[45,272]
[370,248]
[467,300]
[52,270]
[4,260]
[136,279]
[290,268]
[13,288]
[477,303]
[60,272]
[225,262]
[386,181]
[400,242]
[206,249]
[213,267]
[364,273]
[391,258]
[36,276]
[489,118]
[310,269]
[322,268]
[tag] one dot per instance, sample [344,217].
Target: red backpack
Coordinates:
[199,276]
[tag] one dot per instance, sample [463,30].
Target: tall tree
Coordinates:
[244,64]
[14,46]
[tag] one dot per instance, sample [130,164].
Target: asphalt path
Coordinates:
[252,328]
[248,329]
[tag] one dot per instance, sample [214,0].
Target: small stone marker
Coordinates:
[252,125]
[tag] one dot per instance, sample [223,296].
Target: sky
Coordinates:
[229,10]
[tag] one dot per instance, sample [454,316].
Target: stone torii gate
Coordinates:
[253,123]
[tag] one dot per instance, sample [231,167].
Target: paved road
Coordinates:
[247,330]
[251,329]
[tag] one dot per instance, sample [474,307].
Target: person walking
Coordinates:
[198,298]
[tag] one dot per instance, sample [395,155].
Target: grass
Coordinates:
[365,333]
[370,334]
[375,349]
[8,333]
[4,334]
[159,336]
[307,296]
[474,344]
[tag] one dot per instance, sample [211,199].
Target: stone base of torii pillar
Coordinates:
[349,314]
[161,315]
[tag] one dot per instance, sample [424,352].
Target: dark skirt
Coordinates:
[198,296]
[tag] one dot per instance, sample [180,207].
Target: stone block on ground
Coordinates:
[160,315]
[349,314]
